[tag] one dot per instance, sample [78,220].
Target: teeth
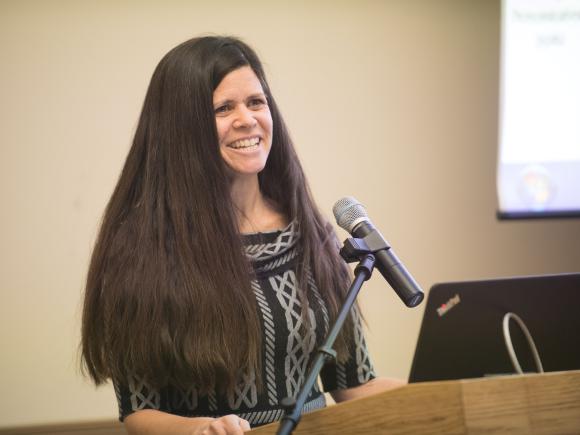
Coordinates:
[245,143]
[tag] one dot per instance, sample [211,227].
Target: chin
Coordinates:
[247,170]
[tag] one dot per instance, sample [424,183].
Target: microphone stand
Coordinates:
[353,250]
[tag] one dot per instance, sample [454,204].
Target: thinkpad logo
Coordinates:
[444,308]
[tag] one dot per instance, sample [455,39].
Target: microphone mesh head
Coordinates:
[348,212]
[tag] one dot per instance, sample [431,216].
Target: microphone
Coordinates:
[351,216]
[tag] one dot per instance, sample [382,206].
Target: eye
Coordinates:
[223,109]
[257,103]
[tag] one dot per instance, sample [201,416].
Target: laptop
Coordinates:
[462,335]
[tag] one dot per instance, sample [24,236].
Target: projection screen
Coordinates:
[538,172]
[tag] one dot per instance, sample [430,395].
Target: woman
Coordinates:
[214,276]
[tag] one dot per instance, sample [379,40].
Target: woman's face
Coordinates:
[244,122]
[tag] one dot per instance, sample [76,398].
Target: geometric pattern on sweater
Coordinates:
[245,392]
[143,396]
[269,339]
[287,345]
[285,241]
[363,360]
[298,346]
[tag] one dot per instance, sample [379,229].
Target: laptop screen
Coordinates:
[462,336]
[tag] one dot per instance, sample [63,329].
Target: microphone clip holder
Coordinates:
[355,249]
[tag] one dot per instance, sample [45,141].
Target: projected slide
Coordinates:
[539,136]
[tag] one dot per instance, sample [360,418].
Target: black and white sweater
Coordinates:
[286,348]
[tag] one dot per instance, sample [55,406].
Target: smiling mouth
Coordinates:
[245,143]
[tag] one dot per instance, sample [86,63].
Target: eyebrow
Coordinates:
[249,97]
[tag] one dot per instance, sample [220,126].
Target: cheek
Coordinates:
[267,124]
[222,129]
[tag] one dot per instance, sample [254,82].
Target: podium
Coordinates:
[546,403]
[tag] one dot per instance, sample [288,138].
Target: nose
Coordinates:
[244,117]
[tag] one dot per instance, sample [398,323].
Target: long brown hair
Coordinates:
[168,293]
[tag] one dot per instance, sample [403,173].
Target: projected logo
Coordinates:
[535,187]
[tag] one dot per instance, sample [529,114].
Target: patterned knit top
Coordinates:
[286,348]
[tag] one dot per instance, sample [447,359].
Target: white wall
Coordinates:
[393,102]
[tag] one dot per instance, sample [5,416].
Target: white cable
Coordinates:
[510,347]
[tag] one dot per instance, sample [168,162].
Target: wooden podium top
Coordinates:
[530,404]
[537,403]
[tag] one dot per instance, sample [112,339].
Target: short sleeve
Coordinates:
[357,370]
[136,395]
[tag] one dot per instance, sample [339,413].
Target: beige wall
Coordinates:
[393,102]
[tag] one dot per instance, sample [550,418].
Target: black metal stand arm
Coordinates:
[363,271]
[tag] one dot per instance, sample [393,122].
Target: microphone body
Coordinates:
[392,269]
[351,216]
